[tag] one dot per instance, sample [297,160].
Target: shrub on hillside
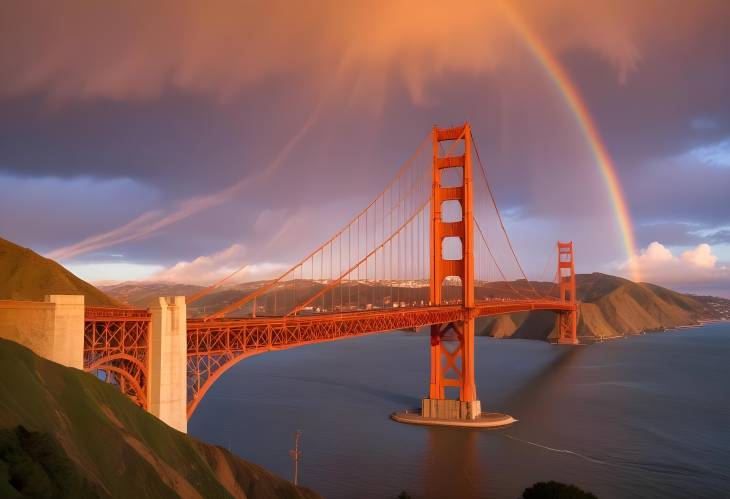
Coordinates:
[555,490]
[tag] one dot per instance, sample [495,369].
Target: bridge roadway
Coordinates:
[147,354]
[269,333]
[216,345]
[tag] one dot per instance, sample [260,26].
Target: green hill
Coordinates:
[64,433]
[610,306]
[25,275]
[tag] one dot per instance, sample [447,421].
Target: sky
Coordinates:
[181,140]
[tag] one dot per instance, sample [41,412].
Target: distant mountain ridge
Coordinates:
[139,294]
[613,306]
[608,305]
[26,275]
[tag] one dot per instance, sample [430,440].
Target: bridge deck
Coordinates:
[241,334]
[216,345]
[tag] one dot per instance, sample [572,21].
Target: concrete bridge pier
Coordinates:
[167,384]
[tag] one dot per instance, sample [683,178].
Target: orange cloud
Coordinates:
[138,50]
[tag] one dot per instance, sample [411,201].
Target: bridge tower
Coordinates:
[567,322]
[452,344]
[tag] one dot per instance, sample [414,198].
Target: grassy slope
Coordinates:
[25,275]
[103,444]
[609,306]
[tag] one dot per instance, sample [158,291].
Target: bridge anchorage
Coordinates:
[416,256]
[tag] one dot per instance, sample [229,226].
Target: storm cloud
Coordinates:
[153,126]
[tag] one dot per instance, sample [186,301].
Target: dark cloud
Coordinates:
[676,98]
[669,233]
[198,99]
[679,190]
[44,212]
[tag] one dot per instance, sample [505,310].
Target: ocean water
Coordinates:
[641,417]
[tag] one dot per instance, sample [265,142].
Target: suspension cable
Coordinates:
[206,291]
[499,215]
[270,285]
[357,265]
[504,278]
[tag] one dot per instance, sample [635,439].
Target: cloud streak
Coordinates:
[151,222]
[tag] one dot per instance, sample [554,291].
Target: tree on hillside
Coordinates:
[555,490]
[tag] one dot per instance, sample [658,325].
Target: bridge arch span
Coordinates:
[125,371]
[204,369]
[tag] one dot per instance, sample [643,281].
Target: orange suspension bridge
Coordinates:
[430,250]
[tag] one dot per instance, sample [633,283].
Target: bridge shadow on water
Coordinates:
[533,389]
[454,464]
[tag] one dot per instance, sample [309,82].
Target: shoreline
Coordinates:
[601,339]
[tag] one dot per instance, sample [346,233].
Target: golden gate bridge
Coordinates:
[431,249]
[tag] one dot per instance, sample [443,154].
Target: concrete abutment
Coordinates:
[53,328]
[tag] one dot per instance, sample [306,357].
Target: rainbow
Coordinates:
[570,94]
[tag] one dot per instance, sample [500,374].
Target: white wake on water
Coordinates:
[561,451]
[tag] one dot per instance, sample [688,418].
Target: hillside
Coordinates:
[26,275]
[64,433]
[613,306]
[141,294]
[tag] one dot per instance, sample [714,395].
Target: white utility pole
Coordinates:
[296,455]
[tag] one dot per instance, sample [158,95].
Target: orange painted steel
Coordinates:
[116,343]
[567,322]
[116,340]
[216,345]
[460,332]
